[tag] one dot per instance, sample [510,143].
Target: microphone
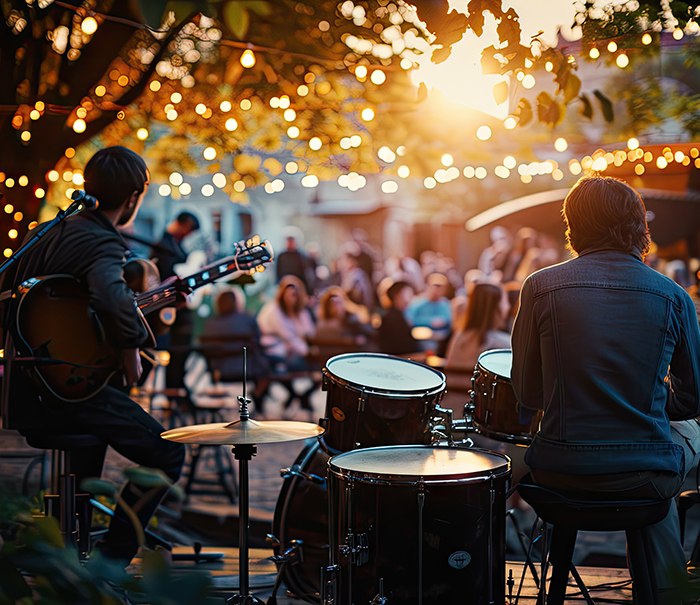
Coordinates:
[89,202]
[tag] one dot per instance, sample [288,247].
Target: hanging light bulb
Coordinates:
[248,58]
[89,25]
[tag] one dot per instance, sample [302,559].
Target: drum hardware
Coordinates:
[443,427]
[295,471]
[380,599]
[243,435]
[329,584]
[356,547]
[293,555]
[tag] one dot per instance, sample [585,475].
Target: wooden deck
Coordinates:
[603,583]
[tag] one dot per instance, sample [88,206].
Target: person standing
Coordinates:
[167,253]
[610,350]
[394,335]
[294,262]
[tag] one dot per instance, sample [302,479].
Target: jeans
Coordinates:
[122,424]
[664,536]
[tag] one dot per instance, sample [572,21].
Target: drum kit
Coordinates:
[391,503]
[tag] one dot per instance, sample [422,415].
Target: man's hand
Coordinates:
[131,363]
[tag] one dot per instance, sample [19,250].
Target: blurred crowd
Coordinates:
[419,308]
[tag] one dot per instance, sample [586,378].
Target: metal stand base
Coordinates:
[239,599]
[243,453]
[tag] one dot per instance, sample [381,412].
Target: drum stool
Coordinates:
[569,513]
[73,511]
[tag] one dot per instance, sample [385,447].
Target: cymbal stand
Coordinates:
[243,453]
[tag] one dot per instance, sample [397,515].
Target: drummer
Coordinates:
[609,348]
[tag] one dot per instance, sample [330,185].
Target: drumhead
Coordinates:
[497,361]
[385,373]
[413,462]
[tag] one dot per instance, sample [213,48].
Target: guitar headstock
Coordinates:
[253,254]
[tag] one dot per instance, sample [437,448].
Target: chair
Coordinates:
[569,513]
[72,509]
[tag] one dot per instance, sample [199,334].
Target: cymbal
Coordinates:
[243,432]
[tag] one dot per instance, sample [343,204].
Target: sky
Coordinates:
[460,78]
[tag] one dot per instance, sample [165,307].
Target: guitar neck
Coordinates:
[245,259]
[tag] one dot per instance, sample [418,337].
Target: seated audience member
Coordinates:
[355,282]
[480,328]
[395,332]
[432,310]
[340,319]
[286,325]
[228,332]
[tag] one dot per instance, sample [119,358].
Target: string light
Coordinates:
[142,134]
[612,46]
[594,53]
[367,114]
[79,126]
[647,39]
[622,60]
[378,77]
[164,190]
[360,72]
[510,122]
[677,33]
[560,144]
[209,153]
[483,133]
[89,25]
[231,124]
[248,58]
[632,143]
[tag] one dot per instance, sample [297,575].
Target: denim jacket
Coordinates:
[608,348]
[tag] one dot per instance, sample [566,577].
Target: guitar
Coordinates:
[64,340]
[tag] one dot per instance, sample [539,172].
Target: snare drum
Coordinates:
[417,525]
[376,399]
[495,408]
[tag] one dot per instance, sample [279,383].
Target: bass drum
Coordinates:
[301,513]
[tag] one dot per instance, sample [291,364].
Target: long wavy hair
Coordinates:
[603,212]
[291,281]
[483,311]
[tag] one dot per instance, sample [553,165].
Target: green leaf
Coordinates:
[500,92]
[12,582]
[586,108]
[260,8]
[606,106]
[236,18]
[99,487]
[49,531]
[147,477]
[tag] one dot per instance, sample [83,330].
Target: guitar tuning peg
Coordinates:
[249,243]
[256,240]
[259,268]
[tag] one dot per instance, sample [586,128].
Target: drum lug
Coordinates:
[361,401]
[329,576]
[324,382]
[356,548]
[494,384]
[380,599]
[295,471]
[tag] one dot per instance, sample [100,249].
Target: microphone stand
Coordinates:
[77,206]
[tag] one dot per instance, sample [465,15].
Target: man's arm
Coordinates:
[111,298]
[526,373]
[684,395]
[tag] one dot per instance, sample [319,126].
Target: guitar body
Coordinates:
[55,320]
[60,333]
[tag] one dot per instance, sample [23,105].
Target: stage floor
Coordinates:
[603,583]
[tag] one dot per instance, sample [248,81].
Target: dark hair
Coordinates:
[395,288]
[188,217]
[226,303]
[483,310]
[113,174]
[605,212]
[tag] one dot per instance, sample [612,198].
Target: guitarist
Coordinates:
[89,247]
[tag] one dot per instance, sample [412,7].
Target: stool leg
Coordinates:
[542,595]
[560,555]
[644,583]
